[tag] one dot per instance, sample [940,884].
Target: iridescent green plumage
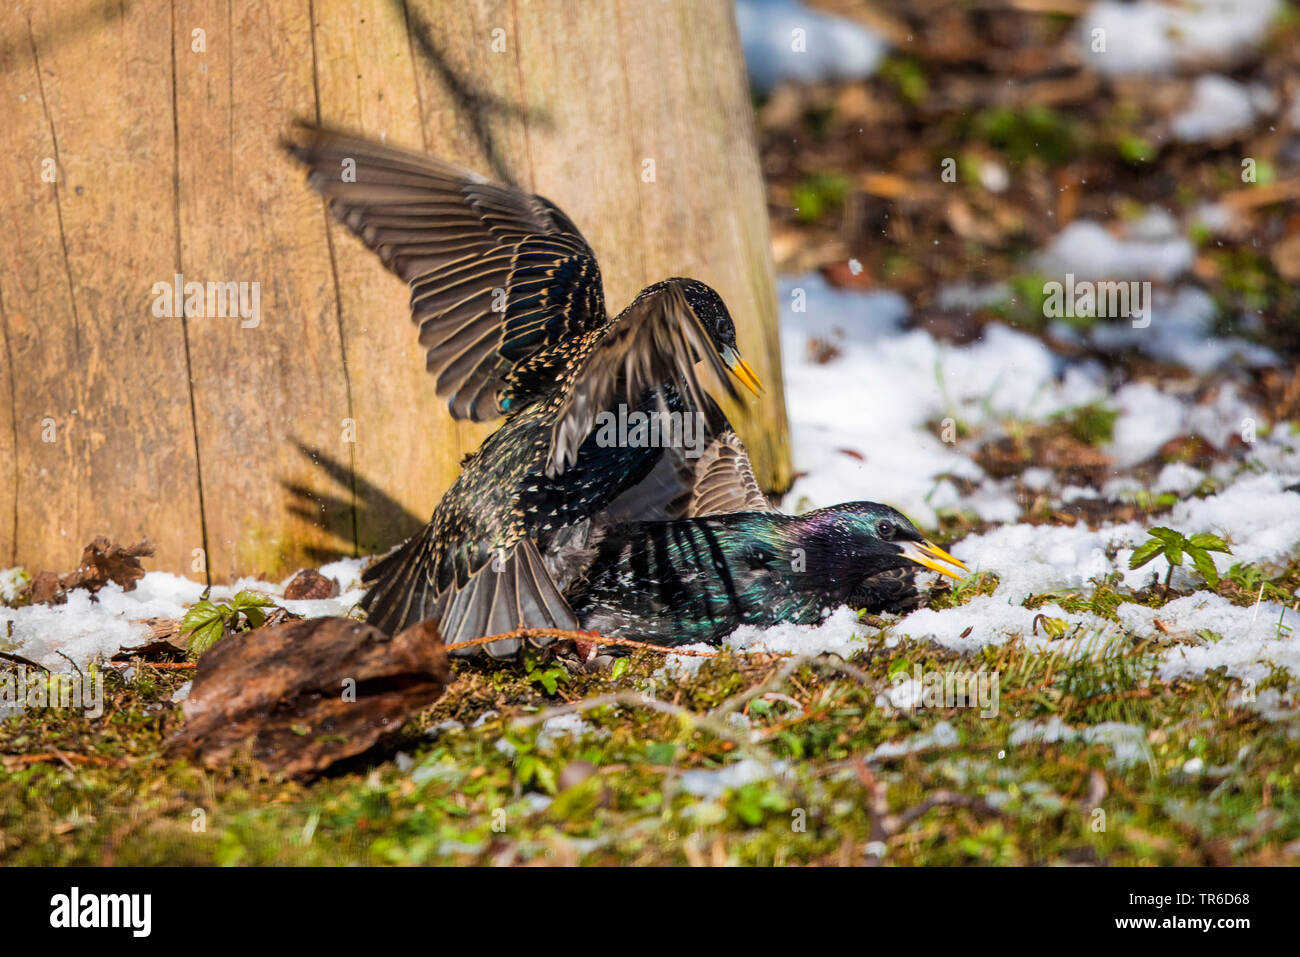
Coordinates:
[699,579]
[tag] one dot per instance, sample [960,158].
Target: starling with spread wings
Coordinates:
[508,300]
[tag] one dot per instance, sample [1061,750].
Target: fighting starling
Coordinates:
[698,579]
[508,298]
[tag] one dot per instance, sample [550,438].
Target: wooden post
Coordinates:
[143,143]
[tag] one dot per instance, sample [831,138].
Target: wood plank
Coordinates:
[266,386]
[108,373]
[192,430]
[408,448]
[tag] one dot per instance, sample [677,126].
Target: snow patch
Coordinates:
[785,40]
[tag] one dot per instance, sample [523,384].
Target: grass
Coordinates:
[453,793]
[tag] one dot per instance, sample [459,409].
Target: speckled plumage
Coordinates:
[699,579]
[508,298]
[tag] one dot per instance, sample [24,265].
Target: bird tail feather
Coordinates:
[401,591]
[512,591]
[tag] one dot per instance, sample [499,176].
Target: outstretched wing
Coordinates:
[502,283]
[655,341]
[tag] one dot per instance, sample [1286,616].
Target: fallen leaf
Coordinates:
[102,561]
[163,642]
[311,585]
[1192,449]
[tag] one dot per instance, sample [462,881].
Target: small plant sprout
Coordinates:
[207,622]
[1173,545]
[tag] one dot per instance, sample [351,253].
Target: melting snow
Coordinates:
[902,383]
[1220,107]
[1151,250]
[785,40]
[1152,36]
[85,628]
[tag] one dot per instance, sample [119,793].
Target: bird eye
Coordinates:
[885,530]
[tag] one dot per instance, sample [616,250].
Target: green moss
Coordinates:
[1038,133]
[961,592]
[615,797]
[1093,423]
[817,195]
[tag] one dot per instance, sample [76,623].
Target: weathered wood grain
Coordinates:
[408,448]
[94,369]
[317,432]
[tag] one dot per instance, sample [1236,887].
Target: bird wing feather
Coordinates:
[501,279]
[724,480]
[515,591]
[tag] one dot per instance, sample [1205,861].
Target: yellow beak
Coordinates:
[929,555]
[745,373]
[742,371]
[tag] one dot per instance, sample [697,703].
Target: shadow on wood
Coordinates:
[131,421]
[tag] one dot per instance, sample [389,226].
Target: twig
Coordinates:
[787,668]
[68,758]
[885,826]
[69,661]
[634,699]
[20,660]
[981,808]
[592,636]
[877,813]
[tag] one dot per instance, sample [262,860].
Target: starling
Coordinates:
[698,579]
[507,295]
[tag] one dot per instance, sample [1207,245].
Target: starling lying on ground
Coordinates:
[509,302]
[698,579]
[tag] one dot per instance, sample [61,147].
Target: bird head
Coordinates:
[712,312]
[873,535]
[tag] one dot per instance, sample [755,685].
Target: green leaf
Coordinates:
[525,767]
[901,664]
[1055,627]
[1174,553]
[1167,535]
[204,624]
[1205,565]
[205,636]
[246,600]
[544,776]
[1211,543]
[619,669]
[200,613]
[1144,553]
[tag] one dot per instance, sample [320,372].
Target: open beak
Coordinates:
[930,555]
[742,370]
